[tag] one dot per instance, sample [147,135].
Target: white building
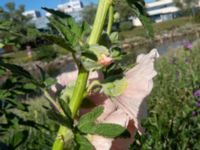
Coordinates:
[162,10]
[32,13]
[73,8]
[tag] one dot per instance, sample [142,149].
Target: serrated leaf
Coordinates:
[66,25]
[90,116]
[59,41]
[83,142]
[116,87]
[63,30]
[56,12]
[17,70]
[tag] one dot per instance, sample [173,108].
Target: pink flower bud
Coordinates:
[105,60]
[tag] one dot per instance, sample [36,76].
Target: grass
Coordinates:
[158,28]
[171,123]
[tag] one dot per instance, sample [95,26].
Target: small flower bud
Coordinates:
[105,60]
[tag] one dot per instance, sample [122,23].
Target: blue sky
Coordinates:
[37,4]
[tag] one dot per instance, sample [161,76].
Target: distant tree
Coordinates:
[89,12]
[123,8]
[187,4]
[15,28]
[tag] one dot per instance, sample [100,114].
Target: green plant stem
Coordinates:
[52,101]
[79,90]
[110,20]
[81,82]
[99,21]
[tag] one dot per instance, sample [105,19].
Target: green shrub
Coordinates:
[174,117]
[45,53]
[197,17]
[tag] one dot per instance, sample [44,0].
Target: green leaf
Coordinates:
[17,104]
[4,94]
[66,25]
[63,30]
[65,107]
[83,142]
[108,130]
[19,138]
[59,41]
[90,116]
[17,70]
[116,87]
[60,119]
[85,29]
[88,125]
[116,53]
[2,72]
[138,7]
[30,86]
[105,40]
[114,37]
[49,82]
[56,13]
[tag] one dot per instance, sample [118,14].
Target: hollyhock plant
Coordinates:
[127,109]
[116,98]
[97,104]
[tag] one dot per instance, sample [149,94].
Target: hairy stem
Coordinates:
[81,82]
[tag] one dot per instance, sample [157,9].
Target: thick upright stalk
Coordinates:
[110,20]
[99,21]
[81,82]
[79,90]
